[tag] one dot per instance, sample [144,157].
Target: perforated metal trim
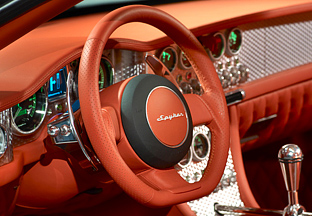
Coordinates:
[226,193]
[274,45]
[193,172]
[127,63]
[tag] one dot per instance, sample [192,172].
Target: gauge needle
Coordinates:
[17,112]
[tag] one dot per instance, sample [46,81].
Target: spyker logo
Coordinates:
[169,117]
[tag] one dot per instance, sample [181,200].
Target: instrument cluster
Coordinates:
[222,47]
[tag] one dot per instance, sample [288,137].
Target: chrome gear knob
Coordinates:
[290,157]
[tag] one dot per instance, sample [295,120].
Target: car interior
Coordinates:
[155,107]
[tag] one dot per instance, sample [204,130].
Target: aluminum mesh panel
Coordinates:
[193,172]
[226,193]
[127,63]
[275,45]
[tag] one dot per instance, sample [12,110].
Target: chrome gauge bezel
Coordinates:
[228,49]
[213,58]
[181,60]
[4,140]
[20,132]
[175,55]
[195,156]
[113,70]
[189,160]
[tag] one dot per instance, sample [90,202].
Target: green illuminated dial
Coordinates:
[28,115]
[200,146]
[169,58]
[234,41]
[105,74]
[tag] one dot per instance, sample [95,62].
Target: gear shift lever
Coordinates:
[290,157]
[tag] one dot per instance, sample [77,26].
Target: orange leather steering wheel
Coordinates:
[104,120]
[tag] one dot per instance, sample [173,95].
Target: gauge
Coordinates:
[57,85]
[234,41]
[186,160]
[28,115]
[188,76]
[3,141]
[214,45]
[106,73]
[200,146]
[106,76]
[169,58]
[184,61]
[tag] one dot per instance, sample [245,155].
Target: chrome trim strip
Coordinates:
[265,119]
[73,127]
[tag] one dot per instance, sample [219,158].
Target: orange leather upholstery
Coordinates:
[102,140]
[292,106]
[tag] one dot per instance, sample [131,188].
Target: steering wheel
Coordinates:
[140,127]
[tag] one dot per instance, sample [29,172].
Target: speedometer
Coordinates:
[28,115]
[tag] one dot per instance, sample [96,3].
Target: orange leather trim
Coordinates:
[181,210]
[100,134]
[292,105]
[8,195]
[13,170]
[22,155]
[163,102]
[277,81]
[50,52]
[199,109]
[47,185]
[243,185]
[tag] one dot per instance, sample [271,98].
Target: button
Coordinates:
[53,131]
[59,107]
[65,130]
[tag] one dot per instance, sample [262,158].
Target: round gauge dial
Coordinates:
[169,58]
[106,73]
[186,160]
[106,76]
[201,146]
[28,115]
[214,45]
[234,41]
[184,61]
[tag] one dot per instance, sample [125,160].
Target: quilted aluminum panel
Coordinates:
[274,45]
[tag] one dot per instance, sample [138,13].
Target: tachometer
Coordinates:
[28,115]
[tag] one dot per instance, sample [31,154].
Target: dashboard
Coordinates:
[252,59]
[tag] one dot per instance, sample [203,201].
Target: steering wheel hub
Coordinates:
[156,120]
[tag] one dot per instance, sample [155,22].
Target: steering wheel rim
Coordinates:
[102,131]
